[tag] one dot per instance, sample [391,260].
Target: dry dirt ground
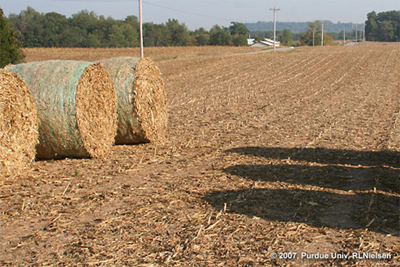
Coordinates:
[268,157]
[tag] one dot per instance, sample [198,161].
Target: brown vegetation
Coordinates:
[266,153]
[18,125]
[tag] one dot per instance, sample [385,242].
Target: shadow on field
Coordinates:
[330,176]
[339,188]
[363,170]
[317,208]
[325,155]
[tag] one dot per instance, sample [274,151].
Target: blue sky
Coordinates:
[206,13]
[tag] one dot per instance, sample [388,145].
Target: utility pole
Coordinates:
[141,29]
[322,33]
[344,36]
[313,35]
[356,34]
[364,32]
[274,9]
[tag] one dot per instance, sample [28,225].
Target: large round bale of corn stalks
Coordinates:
[18,125]
[142,108]
[76,105]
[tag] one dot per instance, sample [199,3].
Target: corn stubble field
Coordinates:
[270,152]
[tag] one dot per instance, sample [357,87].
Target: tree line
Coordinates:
[384,26]
[87,29]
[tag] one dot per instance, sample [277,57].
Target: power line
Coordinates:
[186,12]
[236,4]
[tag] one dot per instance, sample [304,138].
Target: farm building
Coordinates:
[264,42]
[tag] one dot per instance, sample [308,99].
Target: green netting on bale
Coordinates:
[142,113]
[54,85]
[122,72]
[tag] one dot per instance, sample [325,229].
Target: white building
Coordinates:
[264,42]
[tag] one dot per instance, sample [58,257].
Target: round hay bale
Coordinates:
[76,104]
[18,125]
[142,108]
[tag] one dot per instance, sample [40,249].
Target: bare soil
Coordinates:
[288,152]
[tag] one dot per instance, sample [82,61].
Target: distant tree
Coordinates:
[87,29]
[220,36]
[328,39]
[131,31]
[239,33]
[371,27]
[53,26]
[313,34]
[133,21]
[384,26]
[286,37]
[131,35]
[116,36]
[237,28]
[91,40]
[201,36]
[239,40]
[179,32]
[10,46]
[156,35]
[386,31]
[30,24]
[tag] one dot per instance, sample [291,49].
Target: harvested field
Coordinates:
[155,53]
[267,153]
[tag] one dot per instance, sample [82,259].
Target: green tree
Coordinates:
[313,34]
[131,35]
[286,37]
[131,30]
[384,26]
[386,31]
[328,39]
[30,23]
[156,35]
[202,37]
[389,26]
[53,26]
[237,28]
[239,33]
[179,32]
[220,36]
[116,36]
[371,27]
[10,46]
[239,40]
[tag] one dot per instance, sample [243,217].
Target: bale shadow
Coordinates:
[364,169]
[330,176]
[316,208]
[325,155]
[355,189]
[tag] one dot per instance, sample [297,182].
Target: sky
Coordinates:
[207,13]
